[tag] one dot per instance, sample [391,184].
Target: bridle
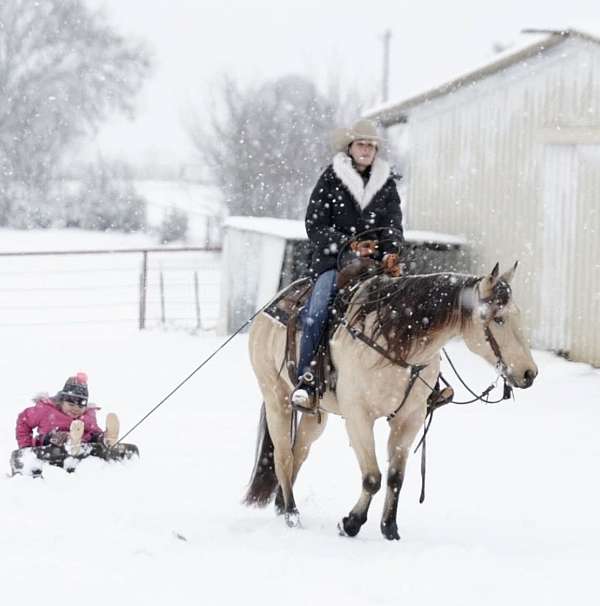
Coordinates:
[499,298]
[489,337]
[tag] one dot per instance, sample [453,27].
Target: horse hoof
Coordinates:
[293,520]
[390,532]
[350,526]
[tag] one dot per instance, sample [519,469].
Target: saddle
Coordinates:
[290,302]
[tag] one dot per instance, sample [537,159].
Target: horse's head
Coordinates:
[494,331]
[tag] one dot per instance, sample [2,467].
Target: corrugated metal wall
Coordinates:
[484,163]
[584,320]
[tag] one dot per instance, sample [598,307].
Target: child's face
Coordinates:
[74,408]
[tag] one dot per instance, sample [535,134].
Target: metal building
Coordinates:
[508,157]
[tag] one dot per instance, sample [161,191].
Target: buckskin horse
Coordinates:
[386,352]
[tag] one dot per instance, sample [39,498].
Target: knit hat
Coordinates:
[361,130]
[76,388]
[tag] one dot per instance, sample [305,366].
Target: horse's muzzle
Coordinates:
[527,380]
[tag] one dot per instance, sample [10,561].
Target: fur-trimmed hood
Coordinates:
[363,194]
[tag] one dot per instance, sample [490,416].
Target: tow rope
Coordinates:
[184,381]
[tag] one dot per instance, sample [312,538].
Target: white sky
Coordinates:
[194,41]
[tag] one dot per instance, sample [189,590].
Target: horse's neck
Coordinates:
[426,351]
[432,347]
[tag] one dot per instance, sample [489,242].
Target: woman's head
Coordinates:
[73,397]
[360,142]
[362,152]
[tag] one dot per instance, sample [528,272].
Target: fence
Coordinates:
[143,287]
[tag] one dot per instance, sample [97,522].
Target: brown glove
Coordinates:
[364,248]
[391,265]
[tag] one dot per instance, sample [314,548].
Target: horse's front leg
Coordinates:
[360,431]
[401,436]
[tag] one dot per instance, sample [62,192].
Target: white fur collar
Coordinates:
[380,173]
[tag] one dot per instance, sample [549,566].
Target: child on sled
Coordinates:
[65,420]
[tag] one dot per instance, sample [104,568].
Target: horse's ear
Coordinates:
[507,276]
[486,286]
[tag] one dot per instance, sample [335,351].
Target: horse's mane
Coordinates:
[411,310]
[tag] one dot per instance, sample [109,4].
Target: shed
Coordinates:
[263,255]
[508,156]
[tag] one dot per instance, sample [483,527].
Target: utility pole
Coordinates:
[386,65]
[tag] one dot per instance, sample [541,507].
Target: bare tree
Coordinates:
[266,144]
[62,71]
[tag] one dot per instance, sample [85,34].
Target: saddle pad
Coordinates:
[289,301]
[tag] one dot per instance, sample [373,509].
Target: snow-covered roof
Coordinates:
[284,228]
[295,230]
[396,112]
[432,237]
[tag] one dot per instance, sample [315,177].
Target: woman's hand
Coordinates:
[391,265]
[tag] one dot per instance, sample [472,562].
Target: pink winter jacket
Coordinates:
[45,416]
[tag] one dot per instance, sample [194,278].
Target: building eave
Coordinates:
[397,113]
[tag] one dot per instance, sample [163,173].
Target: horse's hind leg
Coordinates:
[310,429]
[360,431]
[279,419]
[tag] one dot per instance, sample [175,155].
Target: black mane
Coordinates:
[411,310]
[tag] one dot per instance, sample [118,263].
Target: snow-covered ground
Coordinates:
[511,515]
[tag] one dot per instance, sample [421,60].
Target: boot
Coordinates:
[111,435]
[75,435]
[303,397]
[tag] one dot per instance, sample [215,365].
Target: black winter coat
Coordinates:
[334,213]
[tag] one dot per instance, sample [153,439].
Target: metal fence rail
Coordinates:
[147,287]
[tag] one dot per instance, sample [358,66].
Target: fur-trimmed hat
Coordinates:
[361,130]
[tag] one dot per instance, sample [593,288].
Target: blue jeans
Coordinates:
[314,318]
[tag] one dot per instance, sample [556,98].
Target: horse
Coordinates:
[389,372]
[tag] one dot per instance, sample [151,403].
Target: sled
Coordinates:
[29,461]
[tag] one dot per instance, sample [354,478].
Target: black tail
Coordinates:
[263,482]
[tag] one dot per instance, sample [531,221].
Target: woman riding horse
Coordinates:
[356,194]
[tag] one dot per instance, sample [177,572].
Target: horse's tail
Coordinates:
[263,482]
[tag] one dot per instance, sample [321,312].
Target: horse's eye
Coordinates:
[499,320]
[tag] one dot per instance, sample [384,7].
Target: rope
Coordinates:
[184,381]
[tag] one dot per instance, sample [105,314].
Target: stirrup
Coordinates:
[302,399]
[111,435]
[440,397]
[75,434]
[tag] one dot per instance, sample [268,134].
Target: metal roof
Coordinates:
[396,113]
